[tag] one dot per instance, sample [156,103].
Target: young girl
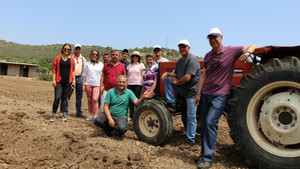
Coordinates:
[91,80]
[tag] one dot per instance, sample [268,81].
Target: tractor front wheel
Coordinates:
[264,115]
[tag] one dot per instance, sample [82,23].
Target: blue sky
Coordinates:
[140,23]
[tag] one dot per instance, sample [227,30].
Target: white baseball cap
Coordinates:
[214,32]
[184,42]
[77,45]
[156,46]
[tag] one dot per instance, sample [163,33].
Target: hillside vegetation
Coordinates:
[43,55]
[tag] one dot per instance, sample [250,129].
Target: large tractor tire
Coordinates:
[152,122]
[264,115]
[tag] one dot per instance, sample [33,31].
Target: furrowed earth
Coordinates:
[29,140]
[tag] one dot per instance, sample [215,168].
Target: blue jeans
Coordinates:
[62,92]
[191,108]
[211,109]
[169,89]
[79,92]
[79,84]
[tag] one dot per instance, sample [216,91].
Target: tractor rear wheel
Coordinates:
[264,115]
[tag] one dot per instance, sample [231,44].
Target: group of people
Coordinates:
[206,91]
[73,72]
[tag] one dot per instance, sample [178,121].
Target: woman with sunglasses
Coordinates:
[63,80]
[91,80]
[136,71]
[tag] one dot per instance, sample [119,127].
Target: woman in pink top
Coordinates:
[136,71]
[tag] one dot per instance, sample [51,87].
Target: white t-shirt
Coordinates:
[93,73]
[135,73]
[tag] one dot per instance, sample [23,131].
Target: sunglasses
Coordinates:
[67,49]
[134,56]
[156,50]
[95,54]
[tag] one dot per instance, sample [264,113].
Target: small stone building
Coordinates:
[18,69]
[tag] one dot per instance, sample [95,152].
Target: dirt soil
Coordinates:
[29,140]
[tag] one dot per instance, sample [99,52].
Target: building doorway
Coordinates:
[3,69]
[24,70]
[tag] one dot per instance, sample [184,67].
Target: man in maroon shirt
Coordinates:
[110,72]
[213,88]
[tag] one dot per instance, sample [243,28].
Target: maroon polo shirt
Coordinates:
[220,68]
[111,73]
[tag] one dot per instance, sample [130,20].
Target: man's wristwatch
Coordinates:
[247,51]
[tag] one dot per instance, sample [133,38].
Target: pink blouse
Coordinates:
[135,73]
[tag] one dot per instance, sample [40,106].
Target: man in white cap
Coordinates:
[184,80]
[79,67]
[158,58]
[214,86]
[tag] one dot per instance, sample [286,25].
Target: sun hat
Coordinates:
[136,53]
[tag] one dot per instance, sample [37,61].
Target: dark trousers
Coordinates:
[120,123]
[136,89]
[61,93]
[79,84]
[99,101]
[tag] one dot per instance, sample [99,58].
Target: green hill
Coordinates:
[43,55]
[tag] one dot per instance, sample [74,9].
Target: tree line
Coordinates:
[43,55]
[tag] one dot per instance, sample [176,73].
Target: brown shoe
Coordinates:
[187,145]
[204,165]
[198,159]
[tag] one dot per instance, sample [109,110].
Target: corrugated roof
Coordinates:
[16,63]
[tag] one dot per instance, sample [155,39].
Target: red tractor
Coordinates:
[263,109]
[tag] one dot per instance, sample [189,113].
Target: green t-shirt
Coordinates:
[118,104]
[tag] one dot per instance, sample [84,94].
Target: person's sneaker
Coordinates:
[90,118]
[64,118]
[129,119]
[171,107]
[186,145]
[120,136]
[106,134]
[198,159]
[52,118]
[204,165]
[79,115]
